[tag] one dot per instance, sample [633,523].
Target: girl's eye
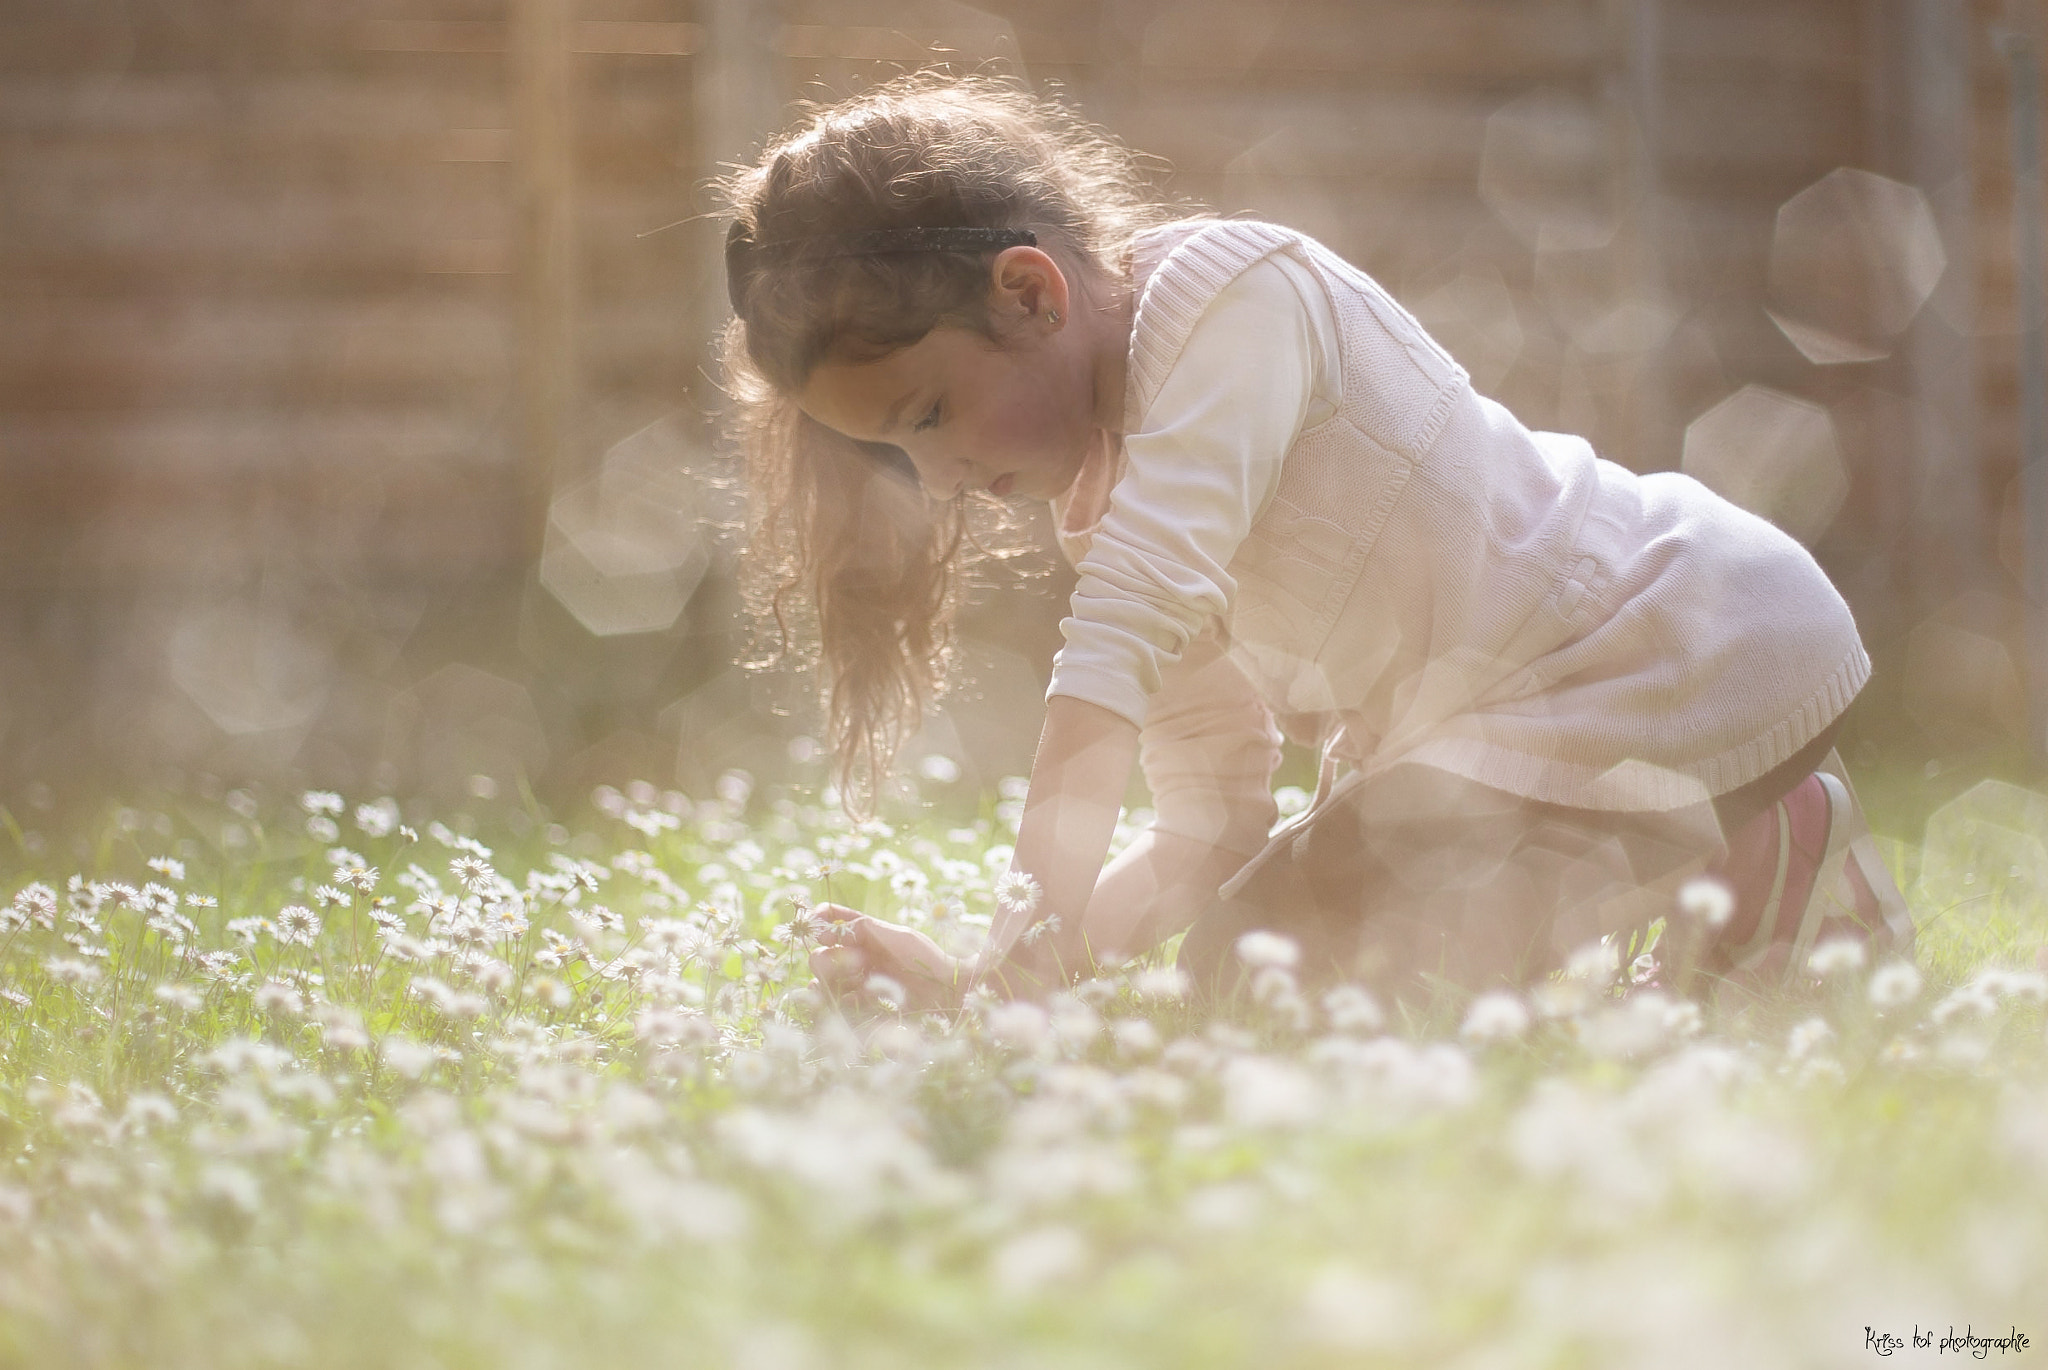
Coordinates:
[930,420]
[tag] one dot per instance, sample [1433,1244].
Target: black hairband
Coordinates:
[744,256]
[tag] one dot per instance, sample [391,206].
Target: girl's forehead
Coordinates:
[871,399]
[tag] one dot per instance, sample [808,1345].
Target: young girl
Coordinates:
[1554,690]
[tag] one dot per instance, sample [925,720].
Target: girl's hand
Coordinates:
[930,978]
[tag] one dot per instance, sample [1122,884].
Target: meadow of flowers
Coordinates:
[321,1082]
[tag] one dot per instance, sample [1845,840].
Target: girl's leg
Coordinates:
[1419,875]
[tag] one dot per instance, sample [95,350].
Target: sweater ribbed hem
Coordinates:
[1640,786]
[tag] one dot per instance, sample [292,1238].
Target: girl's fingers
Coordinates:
[836,913]
[839,966]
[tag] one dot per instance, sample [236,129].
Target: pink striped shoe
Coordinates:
[1804,871]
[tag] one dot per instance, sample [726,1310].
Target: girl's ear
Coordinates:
[1026,283]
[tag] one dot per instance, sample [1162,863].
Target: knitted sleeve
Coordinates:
[1199,466]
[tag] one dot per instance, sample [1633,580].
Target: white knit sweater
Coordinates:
[1313,513]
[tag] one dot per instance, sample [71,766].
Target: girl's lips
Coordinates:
[1002,484]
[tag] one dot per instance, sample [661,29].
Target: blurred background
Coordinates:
[358,417]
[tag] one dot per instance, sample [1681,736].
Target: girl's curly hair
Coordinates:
[843,546]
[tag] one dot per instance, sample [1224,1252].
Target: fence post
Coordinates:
[543,125]
[2024,75]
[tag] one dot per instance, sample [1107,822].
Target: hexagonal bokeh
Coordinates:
[1603,315]
[249,670]
[462,721]
[1474,317]
[1962,685]
[1543,170]
[625,549]
[1773,455]
[1984,860]
[1853,258]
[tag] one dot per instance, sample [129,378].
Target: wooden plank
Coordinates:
[453,269]
[96,209]
[628,37]
[125,354]
[260,110]
[226,444]
[1765,40]
[1365,134]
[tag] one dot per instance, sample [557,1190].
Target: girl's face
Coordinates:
[1011,419]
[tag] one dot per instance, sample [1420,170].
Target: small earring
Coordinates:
[1052,316]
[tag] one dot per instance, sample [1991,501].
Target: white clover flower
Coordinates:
[1806,1036]
[231,1187]
[1045,927]
[67,970]
[473,873]
[506,920]
[1016,892]
[1351,1008]
[246,1055]
[1261,949]
[1707,899]
[1496,1016]
[174,928]
[455,841]
[1345,1309]
[1165,983]
[378,819]
[276,997]
[549,992]
[406,1057]
[2003,983]
[1034,1259]
[1972,999]
[1262,1092]
[1644,1022]
[1019,1024]
[148,1110]
[666,1025]
[1894,985]
[1595,963]
[1135,1038]
[888,990]
[297,925]
[38,904]
[1836,956]
[671,936]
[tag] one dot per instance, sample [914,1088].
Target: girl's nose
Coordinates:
[941,476]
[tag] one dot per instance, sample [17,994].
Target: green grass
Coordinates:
[576,1103]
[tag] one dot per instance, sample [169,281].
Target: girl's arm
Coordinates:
[1154,889]
[1208,750]
[1078,779]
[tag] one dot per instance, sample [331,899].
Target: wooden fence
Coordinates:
[340,342]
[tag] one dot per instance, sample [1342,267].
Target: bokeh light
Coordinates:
[250,670]
[1474,317]
[1853,258]
[1774,455]
[1542,169]
[625,549]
